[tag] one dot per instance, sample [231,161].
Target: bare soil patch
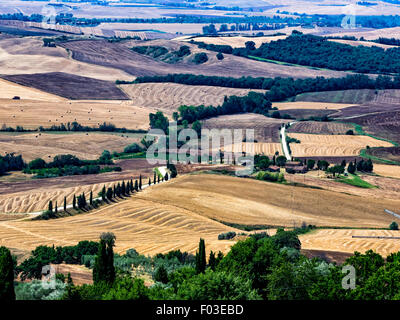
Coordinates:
[70,86]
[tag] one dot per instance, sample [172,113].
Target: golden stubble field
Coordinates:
[169,96]
[387,170]
[87,146]
[32,113]
[312,145]
[341,240]
[248,201]
[174,215]
[310,105]
[147,226]
[28,56]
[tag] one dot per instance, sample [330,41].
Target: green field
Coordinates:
[356,181]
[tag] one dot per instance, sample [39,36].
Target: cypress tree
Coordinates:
[103,193]
[136,186]
[65,203]
[50,206]
[201,257]
[166,176]
[140,182]
[131,186]
[123,188]
[158,179]
[74,202]
[91,198]
[149,182]
[118,190]
[104,270]
[114,191]
[154,179]
[109,193]
[7,292]
[56,208]
[212,262]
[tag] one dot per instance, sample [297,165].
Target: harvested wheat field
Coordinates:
[265,129]
[234,42]
[147,226]
[32,114]
[170,96]
[80,274]
[266,148]
[341,240]
[38,200]
[47,145]
[9,90]
[332,145]
[310,105]
[249,201]
[28,56]
[387,170]
[320,127]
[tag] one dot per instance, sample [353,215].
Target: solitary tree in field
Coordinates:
[394,226]
[104,270]
[6,275]
[201,257]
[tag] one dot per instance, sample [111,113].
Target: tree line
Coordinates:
[261,267]
[315,51]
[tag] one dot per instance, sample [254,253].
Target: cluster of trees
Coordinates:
[11,162]
[315,51]
[227,235]
[31,268]
[77,127]
[200,58]
[361,166]
[270,176]
[253,102]
[163,52]
[389,41]
[221,48]
[260,267]
[67,165]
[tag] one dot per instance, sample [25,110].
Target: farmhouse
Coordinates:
[295,167]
